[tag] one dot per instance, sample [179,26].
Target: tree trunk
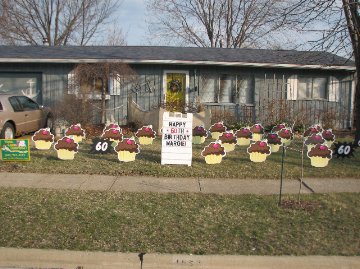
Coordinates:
[353,24]
[103,102]
[357,103]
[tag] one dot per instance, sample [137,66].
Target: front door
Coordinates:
[175,85]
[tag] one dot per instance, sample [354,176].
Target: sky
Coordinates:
[131,17]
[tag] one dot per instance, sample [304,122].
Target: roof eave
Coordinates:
[182,62]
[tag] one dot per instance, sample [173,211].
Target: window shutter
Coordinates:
[73,87]
[114,84]
[292,87]
[334,90]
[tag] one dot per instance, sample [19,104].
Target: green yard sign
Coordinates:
[15,149]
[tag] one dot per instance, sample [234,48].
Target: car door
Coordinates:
[32,113]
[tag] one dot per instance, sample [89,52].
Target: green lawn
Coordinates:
[178,223]
[235,165]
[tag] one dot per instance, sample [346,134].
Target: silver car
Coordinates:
[22,115]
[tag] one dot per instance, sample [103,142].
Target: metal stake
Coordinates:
[281,174]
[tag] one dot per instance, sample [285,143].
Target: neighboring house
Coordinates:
[238,85]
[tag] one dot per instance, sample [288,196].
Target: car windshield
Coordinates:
[27,103]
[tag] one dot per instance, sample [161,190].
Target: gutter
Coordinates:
[181,62]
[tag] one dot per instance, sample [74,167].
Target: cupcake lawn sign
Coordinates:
[127,149]
[43,139]
[113,134]
[274,141]
[217,130]
[145,135]
[244,136]
[258,151]
[320,155]
[66,148]
[199,134]
[228,141]
[257,131]
[213,153]
[76,133]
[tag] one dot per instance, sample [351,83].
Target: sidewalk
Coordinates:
[174,185]
[36,258]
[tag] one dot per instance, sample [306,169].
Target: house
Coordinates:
[237,85]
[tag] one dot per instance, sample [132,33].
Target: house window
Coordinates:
[28,84]
[226,89]
[208,89]
[92,88]
[245,91]
[311,87]
[217,89]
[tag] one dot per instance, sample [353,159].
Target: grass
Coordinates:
[178,223]
[148,162]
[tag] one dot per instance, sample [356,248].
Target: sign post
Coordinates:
[177,138]
[15,149]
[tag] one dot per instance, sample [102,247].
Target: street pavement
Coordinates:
[55,259]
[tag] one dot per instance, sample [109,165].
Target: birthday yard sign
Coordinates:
[177,138]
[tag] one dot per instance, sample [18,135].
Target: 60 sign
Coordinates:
[344,149]
[101,146]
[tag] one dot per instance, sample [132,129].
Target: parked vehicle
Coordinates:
[22,115]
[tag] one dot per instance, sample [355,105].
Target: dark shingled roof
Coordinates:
[188,55]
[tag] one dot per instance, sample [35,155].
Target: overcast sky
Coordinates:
[132,21]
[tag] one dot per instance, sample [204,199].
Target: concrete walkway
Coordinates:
[35,258]
[174,185]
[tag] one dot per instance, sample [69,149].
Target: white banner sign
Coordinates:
[177,138]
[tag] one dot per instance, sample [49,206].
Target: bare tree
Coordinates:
[59,22]
[113,36]
[215,23]
[99,74]
[335,26]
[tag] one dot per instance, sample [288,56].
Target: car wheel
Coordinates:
[49,123]
[8,131]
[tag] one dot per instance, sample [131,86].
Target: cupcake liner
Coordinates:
[76,138]
[228,146]
[319,161]
[329,143]
[42,145]
[310,146]
[216,135]
[242,141]
[64,154]
[257,137]
[286,142]
[213,159]
[274,147]
[143,140]
[126,156]
[257,157]
[198,139]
